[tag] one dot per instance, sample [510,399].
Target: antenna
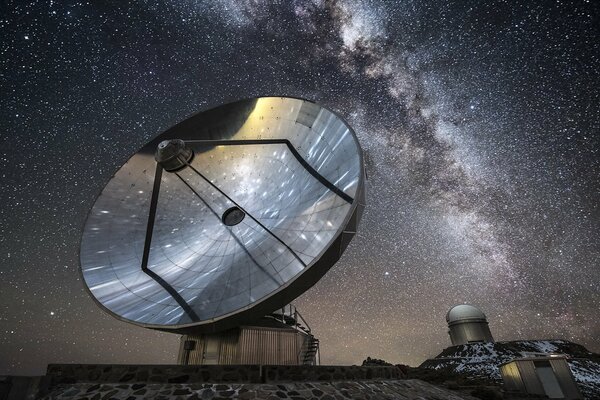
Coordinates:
[227,216]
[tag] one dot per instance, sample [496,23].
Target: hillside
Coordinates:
[481,360]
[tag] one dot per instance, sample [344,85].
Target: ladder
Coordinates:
[312,348]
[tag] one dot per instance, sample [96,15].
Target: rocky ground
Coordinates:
[373,390]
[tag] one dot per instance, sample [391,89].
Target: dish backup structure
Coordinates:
[467,324]
[213,227]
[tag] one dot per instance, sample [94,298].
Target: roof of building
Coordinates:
[463,312]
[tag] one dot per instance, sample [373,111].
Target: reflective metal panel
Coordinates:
[263,208]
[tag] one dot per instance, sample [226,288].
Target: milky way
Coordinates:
[480,125]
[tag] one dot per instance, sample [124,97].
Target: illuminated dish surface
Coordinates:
[261,207]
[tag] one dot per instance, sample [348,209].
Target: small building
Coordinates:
[549,376]
[282,338]
[467,324]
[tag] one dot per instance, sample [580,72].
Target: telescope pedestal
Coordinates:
[274,340]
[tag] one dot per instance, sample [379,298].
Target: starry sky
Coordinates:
[480,124]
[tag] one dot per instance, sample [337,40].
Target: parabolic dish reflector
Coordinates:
[225,217]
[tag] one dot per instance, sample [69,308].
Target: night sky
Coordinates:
[480,123]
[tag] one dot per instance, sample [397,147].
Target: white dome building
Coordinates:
[467,324]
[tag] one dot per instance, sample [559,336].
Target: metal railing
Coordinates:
[291,316]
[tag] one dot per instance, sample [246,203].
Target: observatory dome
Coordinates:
[467,324]
[463,312]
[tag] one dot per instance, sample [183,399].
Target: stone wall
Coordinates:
[79,373]
[303,373]
[76,373]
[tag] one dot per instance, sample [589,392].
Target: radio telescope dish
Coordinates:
[225,217]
